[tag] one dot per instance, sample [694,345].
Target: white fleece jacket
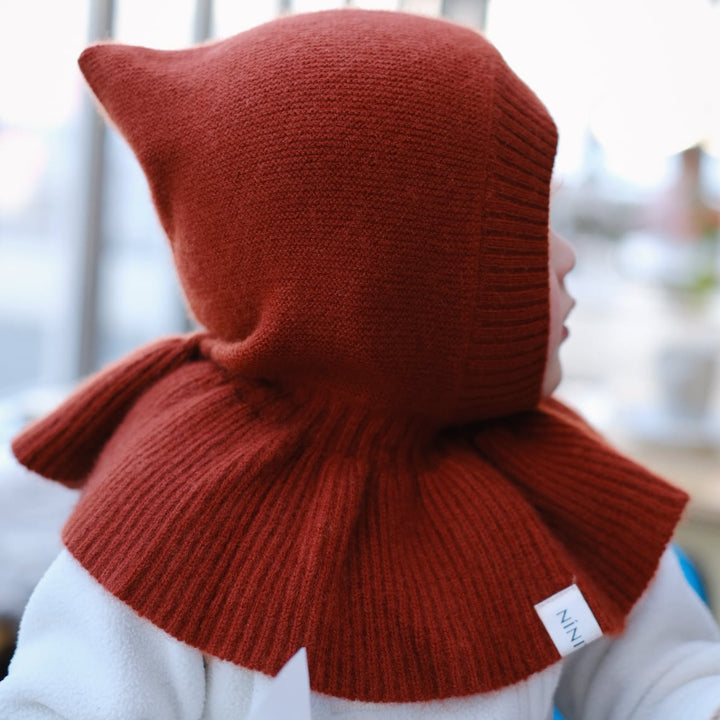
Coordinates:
[84,655]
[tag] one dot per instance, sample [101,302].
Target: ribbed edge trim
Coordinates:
[513,262]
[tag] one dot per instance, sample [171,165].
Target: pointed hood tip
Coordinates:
[89,55]
[91,62]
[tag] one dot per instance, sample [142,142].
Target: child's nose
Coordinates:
[567,255]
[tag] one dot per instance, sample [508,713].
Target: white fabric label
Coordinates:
[569,620]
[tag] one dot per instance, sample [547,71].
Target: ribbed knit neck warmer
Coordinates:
[354,456]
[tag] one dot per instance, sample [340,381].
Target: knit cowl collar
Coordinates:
[352,455]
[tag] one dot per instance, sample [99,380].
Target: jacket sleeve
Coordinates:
[83,654]
[666,664]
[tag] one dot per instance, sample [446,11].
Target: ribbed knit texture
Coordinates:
[352,458]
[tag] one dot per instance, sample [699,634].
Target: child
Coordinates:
[358,455]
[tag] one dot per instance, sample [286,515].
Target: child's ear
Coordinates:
[140,92]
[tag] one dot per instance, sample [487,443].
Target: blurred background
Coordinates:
[634,86]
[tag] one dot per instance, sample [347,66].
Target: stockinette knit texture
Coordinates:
[353,455]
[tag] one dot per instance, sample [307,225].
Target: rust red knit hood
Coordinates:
[352,456]
[354,200]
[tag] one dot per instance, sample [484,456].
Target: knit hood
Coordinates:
[352,456]
[356,202]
